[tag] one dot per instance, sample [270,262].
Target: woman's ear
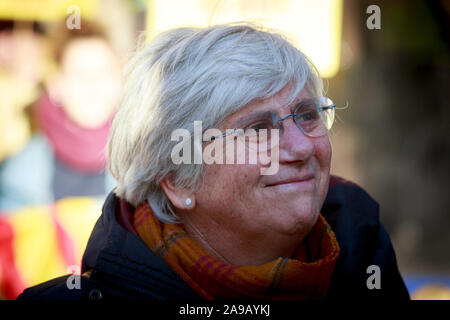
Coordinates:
[179,197]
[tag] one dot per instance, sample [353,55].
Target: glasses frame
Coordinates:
[277,122]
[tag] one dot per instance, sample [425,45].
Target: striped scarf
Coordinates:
[305,276]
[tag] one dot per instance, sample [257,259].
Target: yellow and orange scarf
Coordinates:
[305,276]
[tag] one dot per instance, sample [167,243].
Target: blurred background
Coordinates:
[388,62]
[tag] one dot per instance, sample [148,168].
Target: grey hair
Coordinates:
[189,74]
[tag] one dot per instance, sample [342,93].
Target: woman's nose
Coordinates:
[294,144]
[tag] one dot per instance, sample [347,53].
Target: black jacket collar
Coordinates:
[122,261]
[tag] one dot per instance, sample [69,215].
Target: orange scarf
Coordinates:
[299,277]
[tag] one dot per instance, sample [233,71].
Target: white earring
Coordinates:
[188,201]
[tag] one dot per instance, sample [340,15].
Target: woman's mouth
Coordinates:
[293,181]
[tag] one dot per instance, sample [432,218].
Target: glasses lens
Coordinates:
[315,117]
[328,111]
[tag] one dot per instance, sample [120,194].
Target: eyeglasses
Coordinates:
[313,117]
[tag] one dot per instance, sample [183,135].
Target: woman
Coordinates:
[220,229]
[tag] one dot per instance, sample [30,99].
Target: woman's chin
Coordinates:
[297,221]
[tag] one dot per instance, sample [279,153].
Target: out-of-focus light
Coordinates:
[314,26]
[45,9]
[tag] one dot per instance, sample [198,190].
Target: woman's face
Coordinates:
[240,199]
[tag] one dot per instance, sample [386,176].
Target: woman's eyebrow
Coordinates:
[302,102]
[251,117]
[261,114]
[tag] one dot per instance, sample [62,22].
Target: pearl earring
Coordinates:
[188,201]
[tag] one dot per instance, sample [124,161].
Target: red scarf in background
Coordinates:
[283,278]
[80,148]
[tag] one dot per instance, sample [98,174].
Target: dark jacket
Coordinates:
[117,263]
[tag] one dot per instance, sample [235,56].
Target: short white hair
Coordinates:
[189,74]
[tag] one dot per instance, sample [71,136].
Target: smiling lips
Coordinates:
[304,178]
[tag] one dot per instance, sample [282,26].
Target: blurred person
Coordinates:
[74,115]
[22,66]
[22,70]
[224,230]
[48,217]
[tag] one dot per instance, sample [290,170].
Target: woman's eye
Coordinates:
[308,116]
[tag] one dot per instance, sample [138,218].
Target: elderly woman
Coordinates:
[192,219]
